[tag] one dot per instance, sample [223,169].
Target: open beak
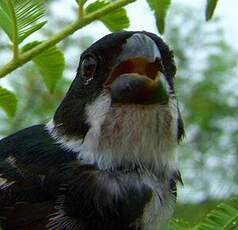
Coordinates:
[138,81]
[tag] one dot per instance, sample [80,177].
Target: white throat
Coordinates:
[134,134]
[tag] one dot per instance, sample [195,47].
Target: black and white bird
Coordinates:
[107,159]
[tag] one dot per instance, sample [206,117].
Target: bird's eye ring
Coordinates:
[89,66]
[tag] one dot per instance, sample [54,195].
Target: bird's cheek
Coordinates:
[138,89]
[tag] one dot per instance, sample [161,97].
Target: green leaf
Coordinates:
[224,217]
[5,6]
[210,8]
[160,8]
[5,22]
[20,18]
[50,63]
[8,101]
[28,13]
[115,21]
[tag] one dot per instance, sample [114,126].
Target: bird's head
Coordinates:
[121,107]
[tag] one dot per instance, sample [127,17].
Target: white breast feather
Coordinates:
[131,133]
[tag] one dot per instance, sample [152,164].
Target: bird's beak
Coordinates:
[138,81]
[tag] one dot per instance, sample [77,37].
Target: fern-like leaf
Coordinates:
[28,13]
[20,18]
[5,20]
[224,217]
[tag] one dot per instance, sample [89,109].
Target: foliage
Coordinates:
[206,85]
[36,104]
[115,21]
[194,212]
[211,5]
[50,64]
[20,18]
[160,8]
[8,101]
[224,217]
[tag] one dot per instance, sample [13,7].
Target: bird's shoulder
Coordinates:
[30,162]
[35,146]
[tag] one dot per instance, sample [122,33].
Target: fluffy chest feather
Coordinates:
[137,135]
[143,137]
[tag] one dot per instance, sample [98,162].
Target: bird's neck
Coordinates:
[122,137]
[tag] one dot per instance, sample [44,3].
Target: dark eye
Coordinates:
[89,65]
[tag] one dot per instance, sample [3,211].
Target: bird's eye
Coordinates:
[89,66]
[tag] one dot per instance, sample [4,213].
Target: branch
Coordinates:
[79,23]
[81,11]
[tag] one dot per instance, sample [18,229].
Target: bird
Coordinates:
[107,159]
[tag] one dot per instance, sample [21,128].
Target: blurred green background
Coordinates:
[206,86]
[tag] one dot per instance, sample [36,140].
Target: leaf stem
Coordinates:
[15,29]
[79,23]
[81,10]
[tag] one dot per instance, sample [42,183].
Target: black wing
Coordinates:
[30,163]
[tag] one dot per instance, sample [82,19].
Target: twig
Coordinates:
[79,23]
